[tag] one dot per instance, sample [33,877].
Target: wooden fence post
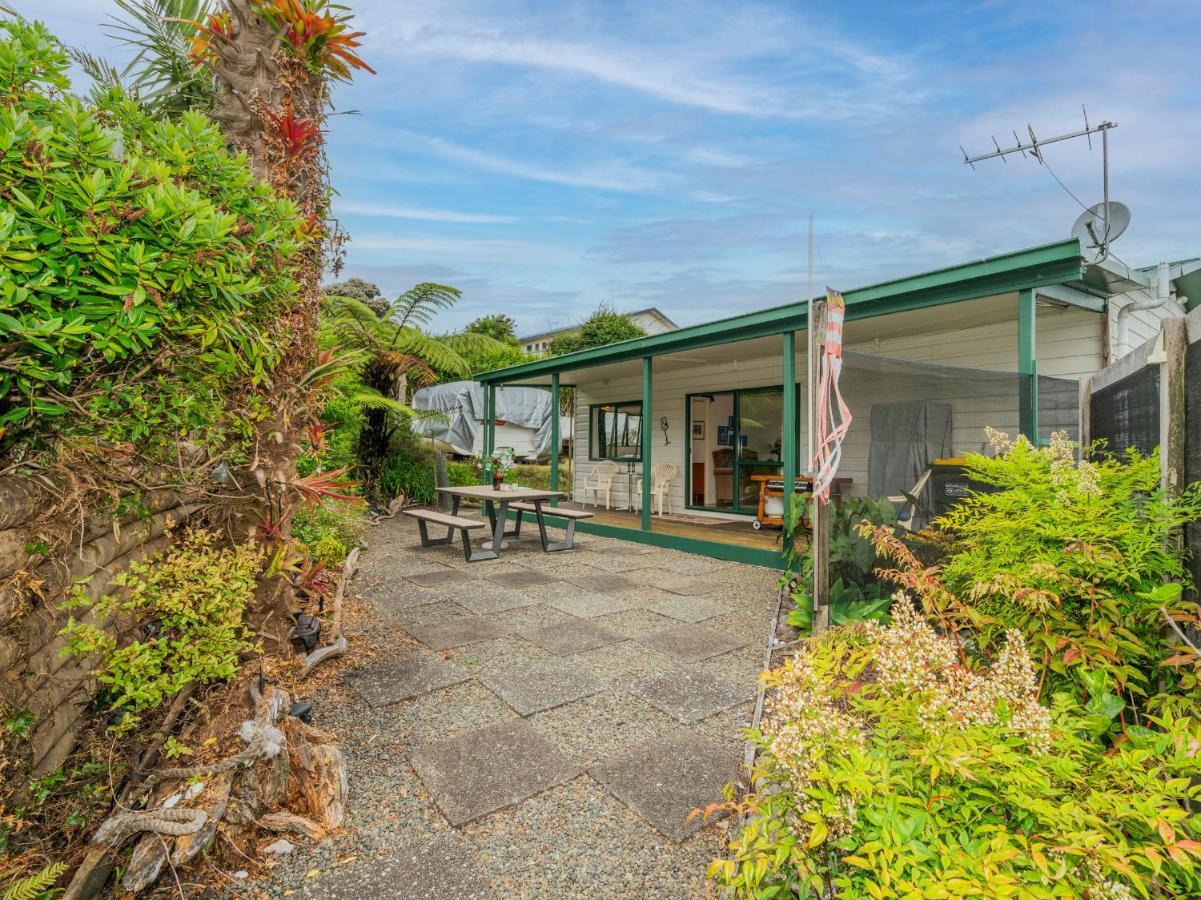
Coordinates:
[1172,406]
[819,547]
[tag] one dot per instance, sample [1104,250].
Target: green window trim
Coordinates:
[615,407]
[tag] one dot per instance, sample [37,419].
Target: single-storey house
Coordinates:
[930,360]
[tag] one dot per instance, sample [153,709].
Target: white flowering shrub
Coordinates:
[892,764]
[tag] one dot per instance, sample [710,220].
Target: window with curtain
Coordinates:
[616,431]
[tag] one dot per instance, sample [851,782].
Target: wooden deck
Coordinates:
[690,526]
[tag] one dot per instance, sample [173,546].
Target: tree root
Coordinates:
[116,829]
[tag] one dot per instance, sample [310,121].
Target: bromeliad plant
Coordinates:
[890,769]
[318,33]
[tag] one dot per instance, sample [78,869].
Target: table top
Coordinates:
[487,492]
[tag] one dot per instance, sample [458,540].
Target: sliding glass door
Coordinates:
[760,427]
[735,442]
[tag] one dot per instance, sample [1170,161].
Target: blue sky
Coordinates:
[548,157]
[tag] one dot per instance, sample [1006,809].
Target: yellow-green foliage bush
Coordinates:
[183,618]
[1076,555]
[330,531]
[888,769]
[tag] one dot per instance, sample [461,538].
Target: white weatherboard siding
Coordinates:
[1138,327]
[1069,346]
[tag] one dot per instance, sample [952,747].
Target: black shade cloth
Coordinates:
[1126,413]
[906,438]
[1192,450]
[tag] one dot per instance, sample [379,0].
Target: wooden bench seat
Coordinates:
[553,511]
[453,523]
[571,515]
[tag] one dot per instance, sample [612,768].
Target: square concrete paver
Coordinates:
[691,643]
[535,688]
[689,695]
[519,580]
[665,780]
[438,577]
[573,636]
[687,609]
[688,585]
[602,584]
[694,565]
[445,635]
[484,597]
[585,606]
[489,769]
[404,677]
[440,868]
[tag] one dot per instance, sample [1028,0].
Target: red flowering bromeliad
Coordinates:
[317,35]
[299,136]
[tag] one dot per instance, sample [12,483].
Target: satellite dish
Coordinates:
[1090,226]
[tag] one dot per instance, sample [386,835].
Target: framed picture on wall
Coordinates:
[698,430]
[723,435]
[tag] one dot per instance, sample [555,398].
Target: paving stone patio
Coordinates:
[535,688]
[489,769]
[689,695]
[573,636]
[692,643]
[467,630]
[665,780]
[404,677]
[535,726]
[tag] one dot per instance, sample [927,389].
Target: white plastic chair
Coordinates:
[905,519]
[662,475]
[600,481]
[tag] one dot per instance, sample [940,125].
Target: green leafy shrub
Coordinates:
[463,474]
[1077,556]
[184,610]
[408,468]
[338,439]
[329,531]
[605,326]
[889,769]
[856,593]
[142,266]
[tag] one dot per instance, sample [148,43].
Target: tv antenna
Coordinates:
[1104,222]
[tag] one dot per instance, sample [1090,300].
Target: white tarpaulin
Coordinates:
[522,415]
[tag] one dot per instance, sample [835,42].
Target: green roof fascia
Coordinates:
[1049,264]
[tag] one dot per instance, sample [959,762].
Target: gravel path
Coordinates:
[629,672]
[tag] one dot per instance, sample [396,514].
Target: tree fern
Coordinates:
[420,303]
[37,886]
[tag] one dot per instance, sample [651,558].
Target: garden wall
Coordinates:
[34,675]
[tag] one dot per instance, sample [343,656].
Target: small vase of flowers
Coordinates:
[502,461]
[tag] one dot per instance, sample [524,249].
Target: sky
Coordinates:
[546,158]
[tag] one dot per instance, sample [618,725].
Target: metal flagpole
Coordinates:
[810,387]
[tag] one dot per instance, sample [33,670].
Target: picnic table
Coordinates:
[496,505]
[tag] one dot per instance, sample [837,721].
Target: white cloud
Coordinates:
[343,207]
[607,176]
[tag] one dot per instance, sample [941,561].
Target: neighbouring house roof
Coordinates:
[1061,264]
[554,332]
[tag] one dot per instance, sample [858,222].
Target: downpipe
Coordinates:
[1163,297]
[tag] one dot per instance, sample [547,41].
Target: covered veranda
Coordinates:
[724,403]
